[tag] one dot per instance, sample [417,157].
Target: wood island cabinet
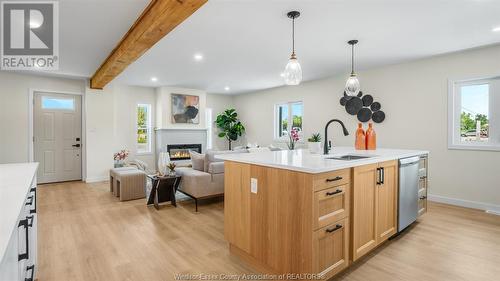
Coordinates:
[374,208]
[284,221]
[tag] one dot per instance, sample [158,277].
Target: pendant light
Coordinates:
[352,86]
[293,71]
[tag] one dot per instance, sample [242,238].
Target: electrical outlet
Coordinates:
[253,185]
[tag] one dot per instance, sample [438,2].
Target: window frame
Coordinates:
[276,126]
[148,127]
[454,113]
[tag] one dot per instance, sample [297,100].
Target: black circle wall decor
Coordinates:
[378,117]
[343,101]
[354,105]
[375,106]
[363,106]
[367,100]
[364,115]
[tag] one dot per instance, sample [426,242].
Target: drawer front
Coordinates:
[331,205]
[331,246]
[331,179]
[422,205]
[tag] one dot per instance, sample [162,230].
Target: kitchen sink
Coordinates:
[348,157]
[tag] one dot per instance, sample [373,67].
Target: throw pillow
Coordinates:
[197,160]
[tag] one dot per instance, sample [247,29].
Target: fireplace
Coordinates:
[181,151]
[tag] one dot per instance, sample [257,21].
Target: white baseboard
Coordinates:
[96,179]
[487,207]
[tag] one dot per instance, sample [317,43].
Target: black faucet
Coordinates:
[325,149]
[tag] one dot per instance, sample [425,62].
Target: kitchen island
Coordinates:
[292,212]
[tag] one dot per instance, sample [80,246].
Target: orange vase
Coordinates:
[371,138]
[360,142]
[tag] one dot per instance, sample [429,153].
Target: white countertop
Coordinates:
[303,161]
[15,182]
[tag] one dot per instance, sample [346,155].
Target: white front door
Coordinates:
[57,137]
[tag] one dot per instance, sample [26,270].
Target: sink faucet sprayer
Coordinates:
[327,142]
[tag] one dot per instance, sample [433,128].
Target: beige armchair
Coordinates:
[206,178]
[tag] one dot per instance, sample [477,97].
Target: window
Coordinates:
[288,116]
[473,123]
[143,128]
[58,103]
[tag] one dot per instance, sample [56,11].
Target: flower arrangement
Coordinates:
[294,137]
[121,155]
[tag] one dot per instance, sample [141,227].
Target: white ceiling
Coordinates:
[246,43]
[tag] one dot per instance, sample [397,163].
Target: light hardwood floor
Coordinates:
[87,234]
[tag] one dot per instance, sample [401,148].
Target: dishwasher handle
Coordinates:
[409,161]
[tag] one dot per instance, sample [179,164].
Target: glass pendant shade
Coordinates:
[352,86]
[293,72]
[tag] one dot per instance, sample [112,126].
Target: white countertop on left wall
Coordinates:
[15,182]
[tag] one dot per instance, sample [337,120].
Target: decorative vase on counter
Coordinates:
[119,163]
[371,138]
[360,143]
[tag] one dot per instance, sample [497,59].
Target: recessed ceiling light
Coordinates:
[227,88]
[198,57]
[282,74]
[154,79]
[496,29]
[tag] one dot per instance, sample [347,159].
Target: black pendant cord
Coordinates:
[293,36]
[352,59]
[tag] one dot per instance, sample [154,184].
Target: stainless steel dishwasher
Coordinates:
[408,192]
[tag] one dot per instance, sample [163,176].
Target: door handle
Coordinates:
[76,145]
[382,175]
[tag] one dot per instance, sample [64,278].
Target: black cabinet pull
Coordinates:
[330,193]
[24,256]
[378,176]
[76,145]
[29,201]
[32,275]
[337,227]
[423,197]
[337,178]
[33,211]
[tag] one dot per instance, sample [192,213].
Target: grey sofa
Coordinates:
[207,180]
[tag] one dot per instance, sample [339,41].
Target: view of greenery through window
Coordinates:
[142,128]
[291,112]
[474,123]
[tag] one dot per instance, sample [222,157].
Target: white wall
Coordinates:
[14,123]
[111,126]
[219,103]
[414,98]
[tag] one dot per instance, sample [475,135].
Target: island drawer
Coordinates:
[331,248]
[331,179]
[331,205]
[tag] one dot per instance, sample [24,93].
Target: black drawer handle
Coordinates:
[337,227]
[337,178]
[423,197]
[33,211]
[29,201]
[334,192]
[32,275]
[24,223]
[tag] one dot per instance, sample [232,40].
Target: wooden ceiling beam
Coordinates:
[157,20]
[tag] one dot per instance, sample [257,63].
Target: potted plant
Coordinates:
[314,143]
[171,169]
[229,126]
[293,138]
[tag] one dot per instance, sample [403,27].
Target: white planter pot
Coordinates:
[314,147]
